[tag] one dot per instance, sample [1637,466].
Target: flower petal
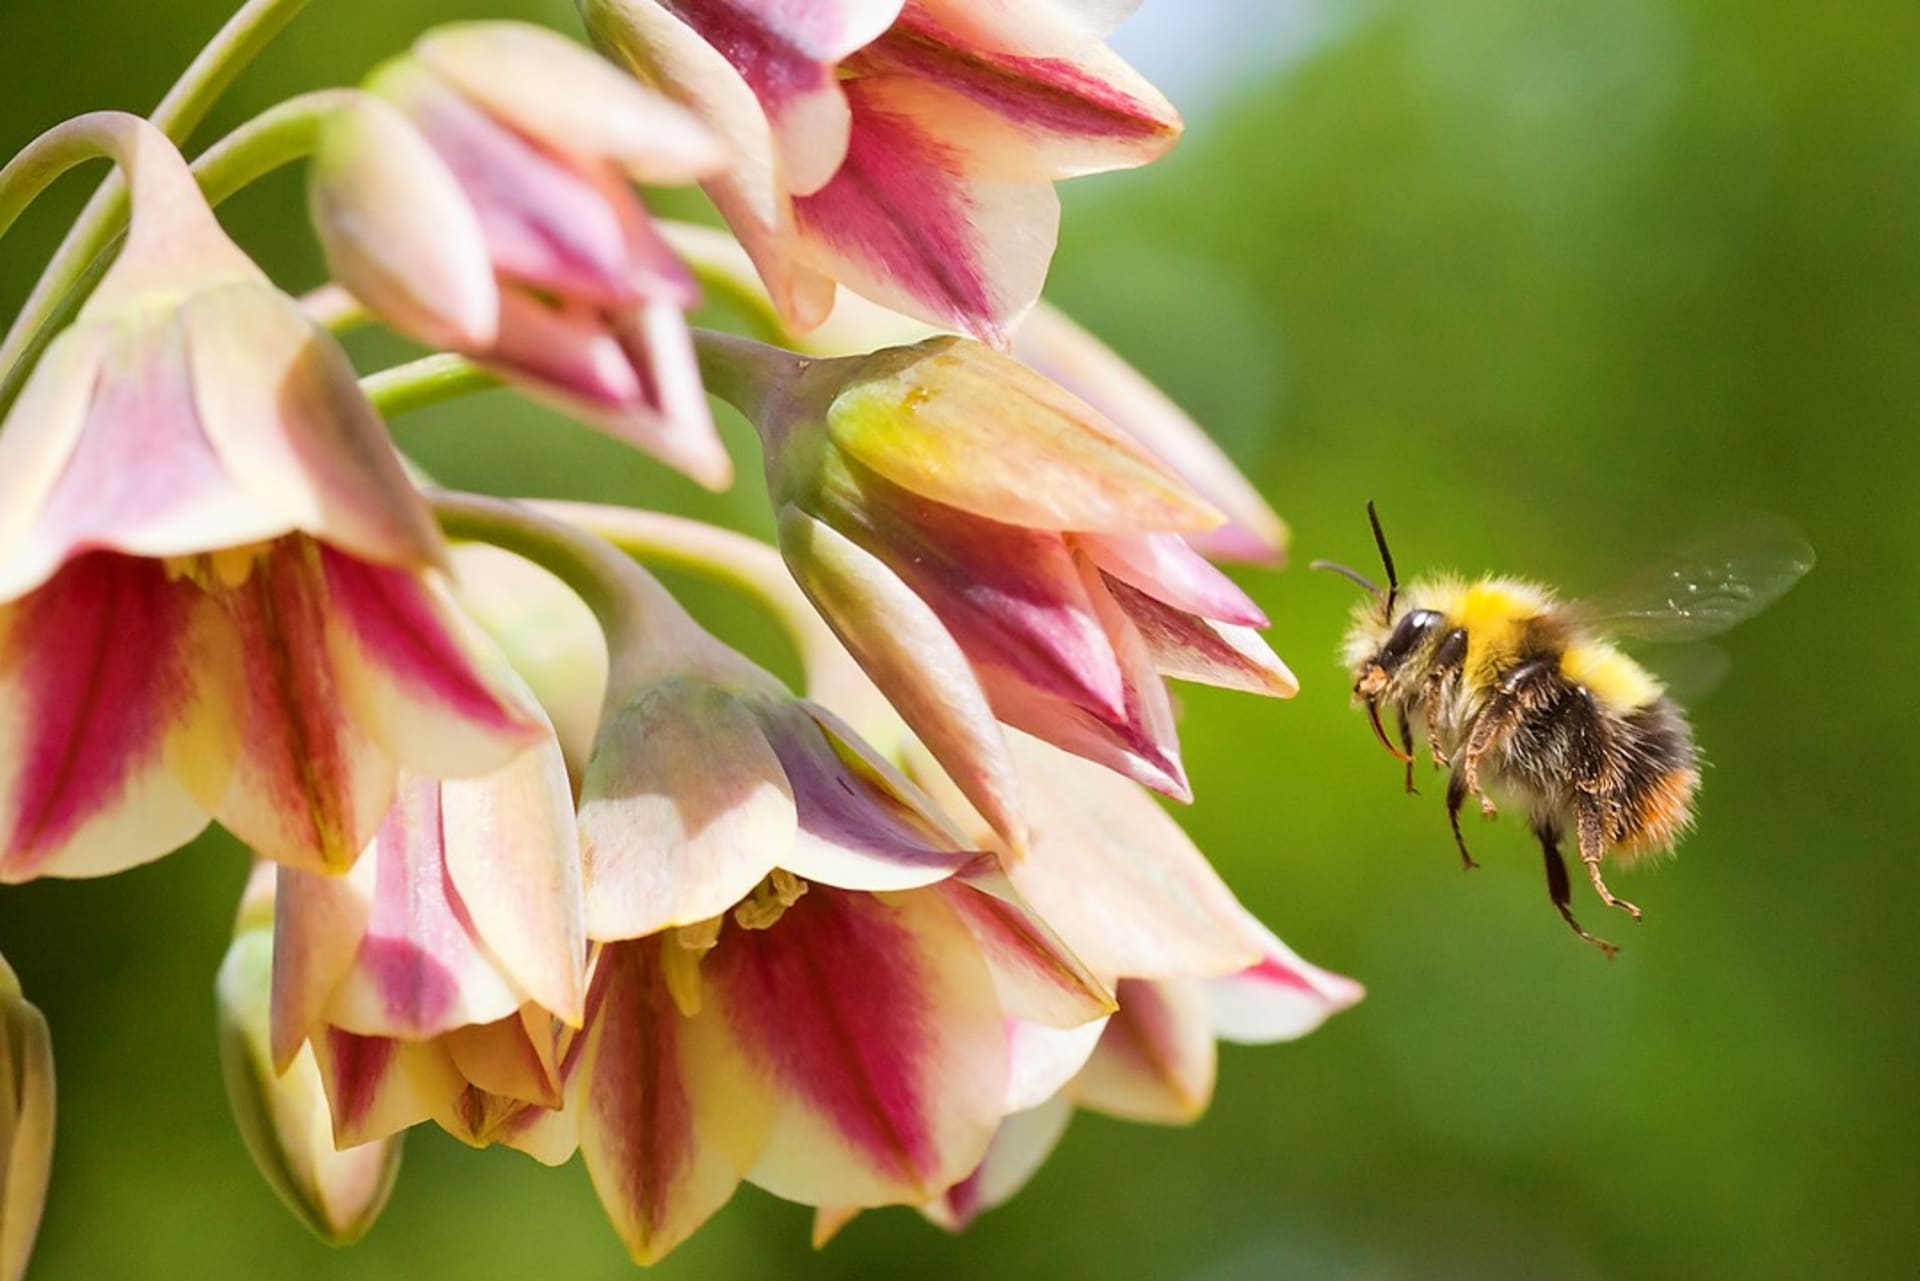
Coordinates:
[684,809]
[398,231]
[663,1138]
[1036,27]
[318,921]
[872,1025]
[141,478]
[1191,648]
[38,439]
[1020,1147]
[970,429]
[420,971]
[1043,1060]
[863,826]
[1167,569]
[1052,344]
[284,411]
[788,54]
[1013,598]
[1280,998]
[1118,878]
[512,68]
[1155,1062]
[751,194]
[916,219]
[377,1087]
[413,671]
[310,786]
[547,633]
[1070,114]
[912,658]
[1139,742]
[101,696]
[1038,980]
[512,853]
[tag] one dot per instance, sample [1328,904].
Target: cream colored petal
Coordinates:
[512,69]
[376,1087]
[284,411]
[1037,978]
[1020,1147]
[1155,1061]
[37,440]
[684,809]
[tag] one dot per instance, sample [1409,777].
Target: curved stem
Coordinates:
[276,137]
[185,105]
[109,135]
[646,628]
[756,570]
[422,383]
[748,375]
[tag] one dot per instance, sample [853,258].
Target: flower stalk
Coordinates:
[252,27]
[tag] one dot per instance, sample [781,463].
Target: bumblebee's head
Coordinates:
[1383,638]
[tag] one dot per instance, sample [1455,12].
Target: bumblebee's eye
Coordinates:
[1410,633]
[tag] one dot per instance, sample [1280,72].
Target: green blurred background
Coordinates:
[1557,283]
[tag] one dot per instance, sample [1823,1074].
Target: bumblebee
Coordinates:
[1526,697]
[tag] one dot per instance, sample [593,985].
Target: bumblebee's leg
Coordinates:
[1591,817]
[1559,888]
[1406,745]
[1445,672]
[1456,797]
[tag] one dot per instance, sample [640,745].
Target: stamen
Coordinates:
[770,900]
[680,959]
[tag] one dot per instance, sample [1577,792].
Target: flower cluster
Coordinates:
[538,859]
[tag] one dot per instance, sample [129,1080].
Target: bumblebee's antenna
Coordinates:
[1347,572]
[1386,559]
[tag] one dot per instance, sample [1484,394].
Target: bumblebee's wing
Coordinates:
[1707,587]
[1690,671]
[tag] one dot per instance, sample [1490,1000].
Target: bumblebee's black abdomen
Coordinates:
[1658,774]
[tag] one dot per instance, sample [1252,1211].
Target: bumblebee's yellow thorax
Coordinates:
[1494,612]
[1616,682]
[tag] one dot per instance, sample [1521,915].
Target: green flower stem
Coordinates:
[185,105]
[428,381]
[755,570]
[278,136]
[725,272]
[747,374]
[642,621]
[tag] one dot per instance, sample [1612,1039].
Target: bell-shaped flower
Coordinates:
[906,150]
[217,592]
[832,1046]
[442,968]
[965,525]
[490,209]
[283,1116]
[26,1123]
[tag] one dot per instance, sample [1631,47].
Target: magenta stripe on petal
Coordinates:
[641,1116]
[395,620]
[96,652]
[360,1065]
[829,1002]
[899,205]
[1050,94]
[415,914]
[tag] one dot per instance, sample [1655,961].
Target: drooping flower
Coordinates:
[490,209]
[216,583]
[441,970]
[26,1123]
[907,151]
[832,1046]
[964,523]
[283,1116]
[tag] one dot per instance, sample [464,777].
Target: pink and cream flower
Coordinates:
[906,150]
[217,592]
[980,539]
[488,211]
[434,980]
